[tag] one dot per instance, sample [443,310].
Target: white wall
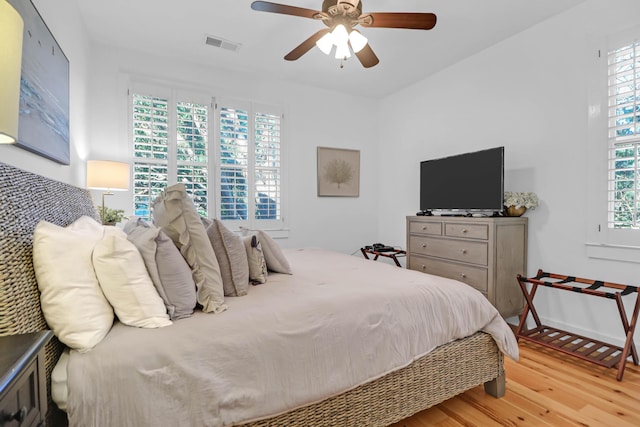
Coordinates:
[528,93]
[65,23]
[312,118]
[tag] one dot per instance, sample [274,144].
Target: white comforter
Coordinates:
[337,322]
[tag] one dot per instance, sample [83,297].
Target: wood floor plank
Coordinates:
[545,388]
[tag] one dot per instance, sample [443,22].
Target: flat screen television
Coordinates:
[465,183]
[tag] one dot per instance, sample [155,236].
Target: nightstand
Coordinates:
[23,384]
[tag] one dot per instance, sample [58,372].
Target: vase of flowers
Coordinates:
[517,203]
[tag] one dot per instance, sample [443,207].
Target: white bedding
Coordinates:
[339,321]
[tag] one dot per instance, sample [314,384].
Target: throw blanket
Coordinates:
[339,321]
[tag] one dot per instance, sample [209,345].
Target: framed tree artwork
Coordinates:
[338,172]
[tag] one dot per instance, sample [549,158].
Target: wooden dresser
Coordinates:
[485,252]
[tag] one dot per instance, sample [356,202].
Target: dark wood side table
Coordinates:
[388,254]
[23,383]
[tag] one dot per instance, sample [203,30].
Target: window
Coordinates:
[613,226]
[250,162]
[170,144]
[240,157]
[624,136]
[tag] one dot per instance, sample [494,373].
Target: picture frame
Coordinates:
[43,126]
[338,172]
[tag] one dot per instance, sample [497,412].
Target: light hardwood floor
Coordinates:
[544,388]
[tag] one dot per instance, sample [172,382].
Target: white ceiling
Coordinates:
[177,29]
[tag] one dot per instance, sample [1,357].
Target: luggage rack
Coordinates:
[588,349]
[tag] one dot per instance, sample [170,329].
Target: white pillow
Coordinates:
[125,281]
[71,299]
[276,261]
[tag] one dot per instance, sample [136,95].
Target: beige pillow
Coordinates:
[71,299]
[168,270]
[175,213]
[125,282]
[276,261]
[231,256]
[255,257]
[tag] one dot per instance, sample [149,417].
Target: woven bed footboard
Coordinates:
[447,371]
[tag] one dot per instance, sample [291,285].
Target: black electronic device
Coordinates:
[379,247]
[465,183]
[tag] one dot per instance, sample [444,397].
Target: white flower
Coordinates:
[527,199]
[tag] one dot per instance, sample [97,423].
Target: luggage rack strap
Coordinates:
[594,287]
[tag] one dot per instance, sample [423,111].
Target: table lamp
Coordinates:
[108,176]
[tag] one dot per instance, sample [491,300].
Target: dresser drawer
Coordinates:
[22,399]
[459,250]
[475,277]
[431,228]
[469,231]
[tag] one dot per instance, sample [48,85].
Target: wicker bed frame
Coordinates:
[27,198]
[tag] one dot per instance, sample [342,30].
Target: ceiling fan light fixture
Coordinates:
[357,41]
[325,43]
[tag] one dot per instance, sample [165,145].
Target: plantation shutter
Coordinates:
[250,168]
[170,145]
[624,134]
[150,151]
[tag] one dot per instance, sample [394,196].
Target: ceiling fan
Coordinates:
[341,16]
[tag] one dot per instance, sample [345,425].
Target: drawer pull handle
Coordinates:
[424,245]
[18,416]
[464,251]
[464,230]
[424,228]
[464,276]
[424,267]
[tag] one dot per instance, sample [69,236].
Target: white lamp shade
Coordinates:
[325,43]
[11,27]
[357,41]
[342,51]
[340,35]
[107,175]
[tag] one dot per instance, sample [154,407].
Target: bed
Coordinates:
[383,369]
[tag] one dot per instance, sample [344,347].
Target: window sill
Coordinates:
[275,233]
[613,252]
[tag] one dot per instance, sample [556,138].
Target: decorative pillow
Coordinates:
[176,214]
[255,257]
[168,270]
[72,302]
[276,261]
[231,256]
[125,282]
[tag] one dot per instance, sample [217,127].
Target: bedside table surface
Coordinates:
[17,351]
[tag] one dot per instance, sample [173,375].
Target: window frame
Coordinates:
[278,228]
[252,109]
[603,242]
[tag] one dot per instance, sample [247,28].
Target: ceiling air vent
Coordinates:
[222,43]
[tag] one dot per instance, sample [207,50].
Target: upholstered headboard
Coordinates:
[26,199]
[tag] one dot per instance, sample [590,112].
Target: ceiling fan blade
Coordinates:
[306,45]
[414,21]
[366,57]
[266,6]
